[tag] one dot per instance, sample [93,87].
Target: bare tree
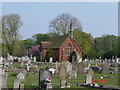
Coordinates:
[10,25]
[61,24]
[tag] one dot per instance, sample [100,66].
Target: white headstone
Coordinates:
[1,60]
[21,76]
[34,59]
[50,60]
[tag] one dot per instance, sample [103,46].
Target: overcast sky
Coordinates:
[96,18]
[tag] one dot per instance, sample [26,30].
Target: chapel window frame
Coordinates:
[68,50]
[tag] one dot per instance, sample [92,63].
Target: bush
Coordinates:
[50,53]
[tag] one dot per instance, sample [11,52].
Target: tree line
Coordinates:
[105,46]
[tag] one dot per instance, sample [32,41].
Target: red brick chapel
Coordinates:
[63,46]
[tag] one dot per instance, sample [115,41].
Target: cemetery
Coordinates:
[64,57]
[27,74]
[60,64]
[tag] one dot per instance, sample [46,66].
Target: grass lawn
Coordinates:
[32,80]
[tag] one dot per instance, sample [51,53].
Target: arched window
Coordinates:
[68,50]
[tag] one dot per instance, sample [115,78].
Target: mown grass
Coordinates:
[32,80]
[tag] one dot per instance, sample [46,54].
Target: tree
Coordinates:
[10,26]
[61,24]
[19,49]
[106,46]
[39,37]
[28,43]
[85,41]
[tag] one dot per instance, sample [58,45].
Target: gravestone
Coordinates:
[73,60]
[89,75]
[105,68]
[33,69]
[24,72]
[21,64]
[63,83]
[74,71]
[81,68]
[28,60]
[116,70]
[0,78]
[16,83]
[21,87]
[34,59]
[1,60]
[20,76]
[28,67]
[62,74]
[62,71]
[50,59]
[57,67]
[43,76]
[19,59]
[68,66]
[4,80]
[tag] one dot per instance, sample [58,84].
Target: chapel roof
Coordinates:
[54,42]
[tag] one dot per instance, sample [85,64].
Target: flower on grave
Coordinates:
[48,80]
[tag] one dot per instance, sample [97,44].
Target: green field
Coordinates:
[32,80]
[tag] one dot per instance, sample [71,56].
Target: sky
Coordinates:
[97,18]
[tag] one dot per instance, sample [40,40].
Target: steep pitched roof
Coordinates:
[57,41]
[46,44]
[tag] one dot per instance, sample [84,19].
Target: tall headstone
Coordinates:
[68,66]
[1,60]
[24,72]
[73,60]
[62,74]
[62,71]
[0,78]
[89,75]
[57,67]
[81,68]
[50,59]
[74,71]
[4,80]
[34,59]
